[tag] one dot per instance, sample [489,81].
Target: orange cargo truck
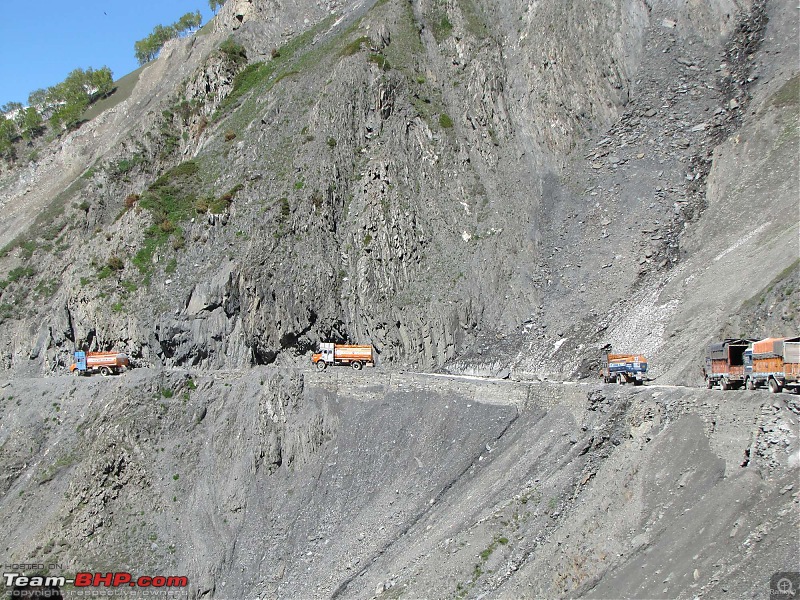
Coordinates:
[773,362]
[725,363]
[105,363]
[343,354]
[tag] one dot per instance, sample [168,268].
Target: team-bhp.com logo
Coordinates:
[785,585]
[84,580]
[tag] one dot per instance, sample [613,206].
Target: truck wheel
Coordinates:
[724,385]
[105,371]
[356,365]
[709,383]
[774,386]
[321,364]
[621,379]
[750,384]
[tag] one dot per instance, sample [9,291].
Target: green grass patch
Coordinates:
[27,249]
[248,78]
[442,27]
[256,74]
[104,272]
[18,273]
[380,60]
[143,259]
[233,51]
[789,94]
[171,199]
[287,60]
[356,46]
[172,196]
[284,75]
[128,286]
[219,205]
[125,165]
[445,121]
[761,297]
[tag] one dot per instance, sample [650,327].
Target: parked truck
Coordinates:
[725,363]
[773,362]
[343,354]
[105,363]
[623,368]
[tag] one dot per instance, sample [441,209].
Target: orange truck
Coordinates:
[623,368]
[105,363]
[773,362]
[725,363]
[343,354]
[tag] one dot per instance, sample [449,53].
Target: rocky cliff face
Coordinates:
[417,176]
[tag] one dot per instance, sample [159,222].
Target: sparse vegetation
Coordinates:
[789,94]
[233,51]
[285,208]
[115,263]
[68,100]
[380,60]
[170,199]
[356,46]
[219,205]
[442,27]
[215,5]
[18,273]
[125,165]
[248,78]
[257,74]
[148,48]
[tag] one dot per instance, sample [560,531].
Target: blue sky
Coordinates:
[41,42]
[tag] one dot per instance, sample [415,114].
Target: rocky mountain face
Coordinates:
[424,177]
[474,188]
